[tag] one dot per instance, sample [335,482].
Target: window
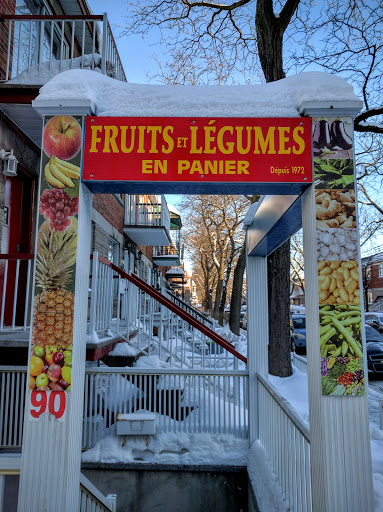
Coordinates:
[299,323]
[27,38]
[114,251]
[114,256]
[380,270]
[368,272]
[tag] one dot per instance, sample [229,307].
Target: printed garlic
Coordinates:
[336,244]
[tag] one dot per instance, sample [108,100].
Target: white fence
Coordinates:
[57,42]
[13,386]
[91,499]
[190,401]
[286,440]
[16,288]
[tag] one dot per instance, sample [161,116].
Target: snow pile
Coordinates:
[48,70]
[124,349]
[171,448]
[111,97]
[295,390]
[267,489]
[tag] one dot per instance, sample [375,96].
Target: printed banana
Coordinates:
[70,170]
[51,179]
[60,175]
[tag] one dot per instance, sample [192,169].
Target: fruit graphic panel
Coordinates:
[338,282]
[333,138]
[56,251]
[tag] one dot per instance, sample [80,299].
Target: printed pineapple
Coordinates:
[54,306]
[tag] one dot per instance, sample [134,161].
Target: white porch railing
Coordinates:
[92,500]
[13,386]
[16,280]
[59,41]
[160,331]
[286,440]
[191,401]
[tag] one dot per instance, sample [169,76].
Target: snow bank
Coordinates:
[179,448]
[266,487]
[47,70]
[114,98]
[295,390]
[123,349]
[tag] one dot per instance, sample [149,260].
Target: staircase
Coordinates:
[171,330]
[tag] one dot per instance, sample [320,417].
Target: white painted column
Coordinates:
[257,334]
[51,456]
[341,470]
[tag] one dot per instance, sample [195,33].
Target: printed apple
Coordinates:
[54,372]
[42,380]
[62,137]
[55,386]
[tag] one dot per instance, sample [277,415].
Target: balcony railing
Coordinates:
[147,220]
[168,250]
[51,42]
[147,211]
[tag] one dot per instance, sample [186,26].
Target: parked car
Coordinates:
[298,333]
[297,310]
[375,319]
[374,341]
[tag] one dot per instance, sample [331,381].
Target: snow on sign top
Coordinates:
[114,98]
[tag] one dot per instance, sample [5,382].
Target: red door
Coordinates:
[16,239]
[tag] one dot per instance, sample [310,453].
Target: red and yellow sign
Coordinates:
[188,149]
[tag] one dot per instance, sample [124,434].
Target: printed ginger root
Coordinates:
[335,208]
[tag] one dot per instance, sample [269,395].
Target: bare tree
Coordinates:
[349,42]
[214,223]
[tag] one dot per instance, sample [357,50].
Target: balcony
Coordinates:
[51,43]
[166,256]
[147,220]
[39,47]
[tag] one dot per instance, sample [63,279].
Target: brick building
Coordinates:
[372,273]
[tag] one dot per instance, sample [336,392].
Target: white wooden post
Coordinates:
[340,456]
[257,334]
[51,456]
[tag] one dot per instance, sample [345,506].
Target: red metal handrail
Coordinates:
[134,279]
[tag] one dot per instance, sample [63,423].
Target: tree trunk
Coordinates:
[278,269]
[236,294]
[270,30]
[217,301]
